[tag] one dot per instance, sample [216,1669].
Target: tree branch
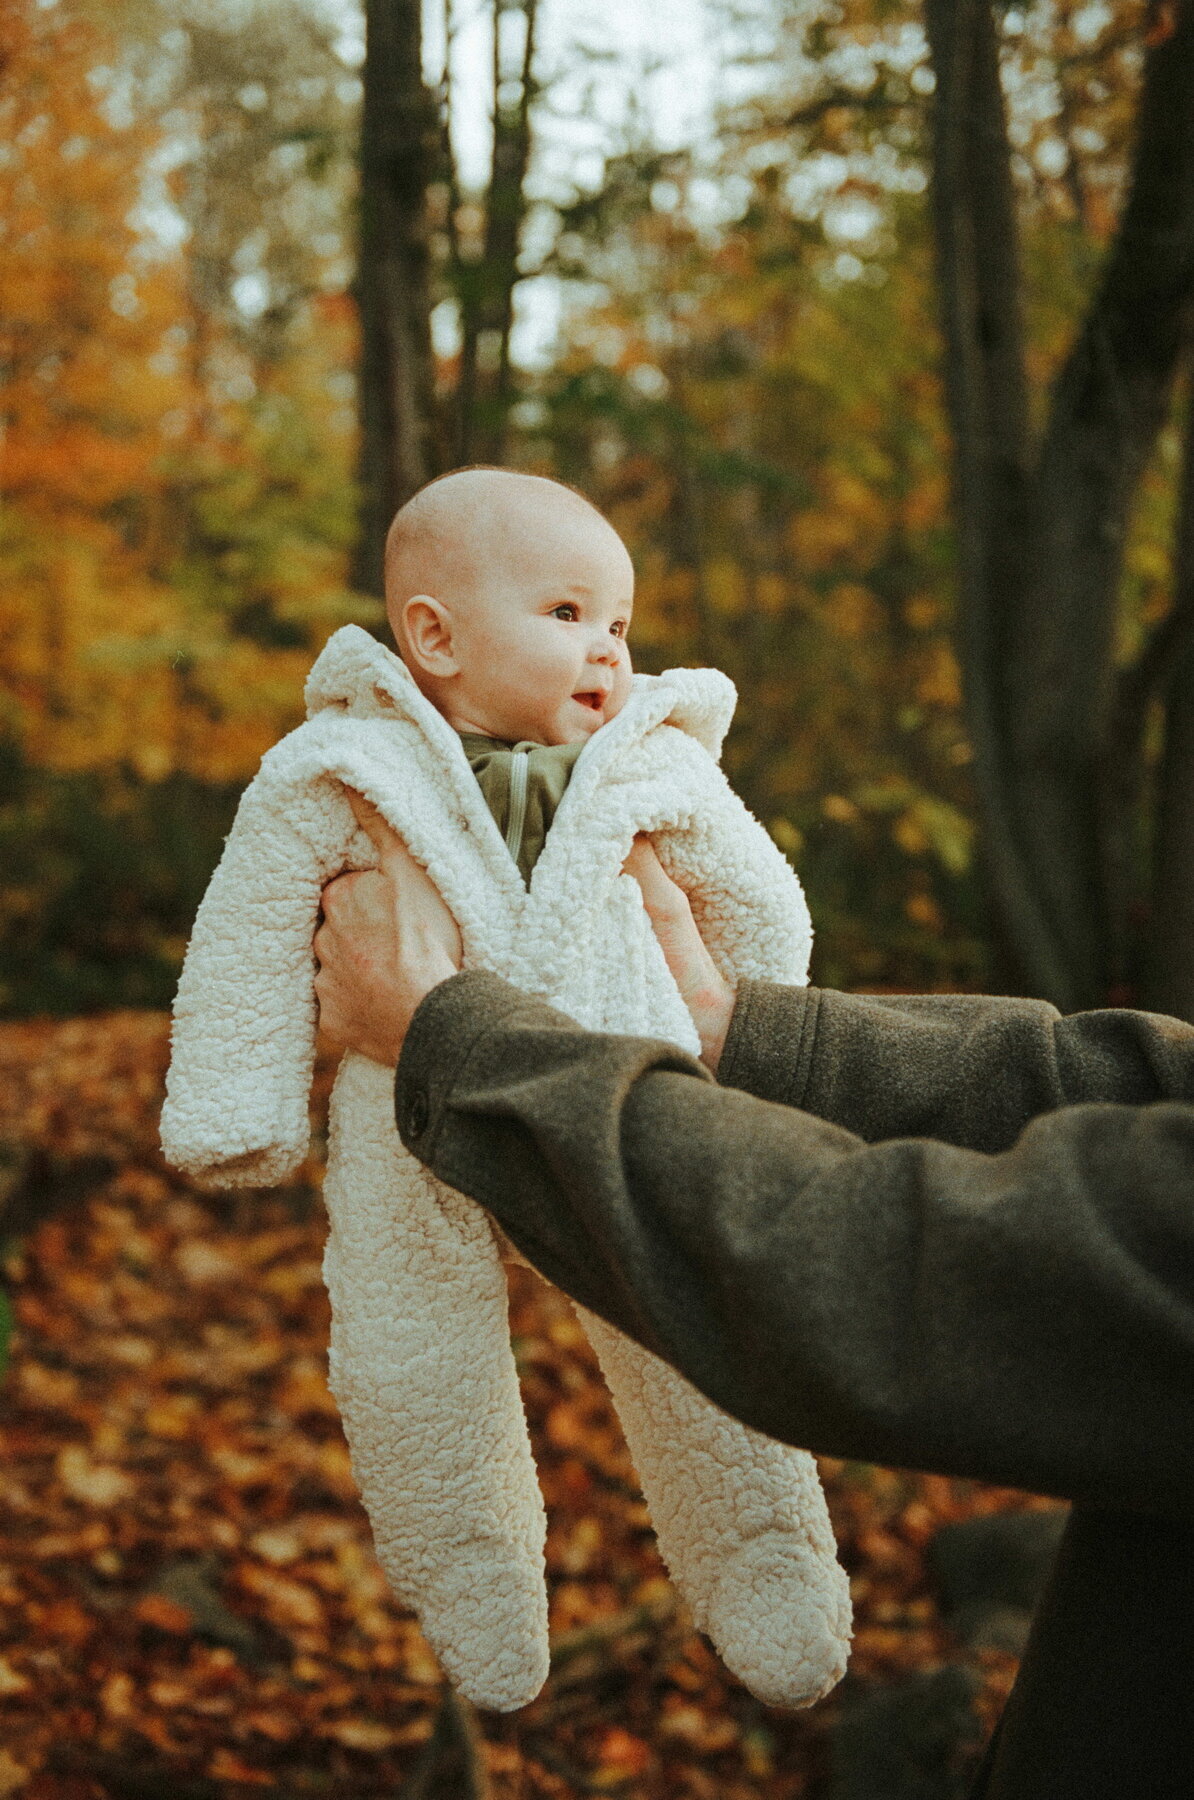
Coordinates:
[840,99]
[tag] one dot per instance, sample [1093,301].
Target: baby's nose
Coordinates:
[605,649]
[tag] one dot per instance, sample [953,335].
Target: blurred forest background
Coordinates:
[883,379]
[878,353]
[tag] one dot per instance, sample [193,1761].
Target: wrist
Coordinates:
[712,1008]
[429,963]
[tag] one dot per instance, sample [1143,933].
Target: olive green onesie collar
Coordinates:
[523,785]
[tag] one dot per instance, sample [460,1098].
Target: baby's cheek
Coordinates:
[620,692]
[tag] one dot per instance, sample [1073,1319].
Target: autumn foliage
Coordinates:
[175,518]
[753,394]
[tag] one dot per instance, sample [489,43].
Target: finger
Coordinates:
[337,891]
[644,864]
[376,827]
[661,896]
[637,856]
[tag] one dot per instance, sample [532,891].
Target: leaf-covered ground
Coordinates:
[189,1603]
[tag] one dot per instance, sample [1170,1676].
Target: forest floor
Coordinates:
[189,1602]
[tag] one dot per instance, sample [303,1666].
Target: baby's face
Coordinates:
[540,642]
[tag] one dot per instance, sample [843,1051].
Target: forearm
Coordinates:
[1025,1318]
[967,1069]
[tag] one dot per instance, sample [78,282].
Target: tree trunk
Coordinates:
[1169,976]
[1168,984]
[980,295]
[452,1765]
[486,288]
[399,160]
[1041,544]
[1109,404]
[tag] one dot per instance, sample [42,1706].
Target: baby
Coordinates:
[510,598]
[518,758]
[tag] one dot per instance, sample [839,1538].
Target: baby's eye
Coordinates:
[618,628]
[565,611]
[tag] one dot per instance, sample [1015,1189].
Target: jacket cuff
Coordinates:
[768,1048]
[448,1023]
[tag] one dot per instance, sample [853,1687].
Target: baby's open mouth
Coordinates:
[594,700]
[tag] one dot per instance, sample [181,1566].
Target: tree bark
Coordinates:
[399,159]
[986,396]
[1041,540]
[1169,969]
[1109,403]
[1168,984]
[452,1765]
[486,288]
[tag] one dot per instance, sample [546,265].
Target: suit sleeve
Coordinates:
[243,1041]
[1025,1317]
[965,1068]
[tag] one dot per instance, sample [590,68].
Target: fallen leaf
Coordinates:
[164,1615]
[96,1484]
[359,1734]
[11,1680]
[13,1775]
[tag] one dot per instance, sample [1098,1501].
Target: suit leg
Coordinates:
[1103,1708]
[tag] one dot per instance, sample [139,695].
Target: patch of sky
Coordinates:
[123,297]
[851,218]
[288,159]
[1089,22]
[247,256]
[119,99]
[251,293]
[648,381]
[1052,157]
[445,329]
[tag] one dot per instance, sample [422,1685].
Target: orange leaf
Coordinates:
[226,1766]
[164,1615]
[623,1753]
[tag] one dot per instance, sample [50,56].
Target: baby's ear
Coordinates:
[427,636]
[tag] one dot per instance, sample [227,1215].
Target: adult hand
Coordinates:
[705,991]
[385,941]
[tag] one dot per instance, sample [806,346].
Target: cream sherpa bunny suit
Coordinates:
[420,1355]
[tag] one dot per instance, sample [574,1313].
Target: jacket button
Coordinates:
[418,1112]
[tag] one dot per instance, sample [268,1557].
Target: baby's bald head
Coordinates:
[483,569]
[460,534]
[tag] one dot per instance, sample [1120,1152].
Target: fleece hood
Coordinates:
[356,675]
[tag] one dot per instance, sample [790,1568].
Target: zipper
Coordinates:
[519,772]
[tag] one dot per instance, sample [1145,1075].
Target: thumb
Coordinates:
[661,895]
[385,839]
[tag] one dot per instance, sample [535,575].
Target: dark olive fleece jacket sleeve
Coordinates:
[1011,1299]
